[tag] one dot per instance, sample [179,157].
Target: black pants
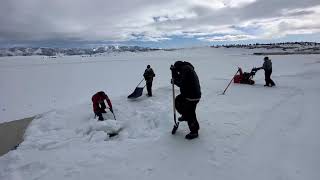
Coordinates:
[149,87]
[188,111]
[267,75]
[101,110]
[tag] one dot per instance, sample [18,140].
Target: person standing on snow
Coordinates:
[99,106]
[148,76]
[267,66]
[185,77]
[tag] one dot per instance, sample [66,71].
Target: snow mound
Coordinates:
[98,131]
[136,120]
[108,126]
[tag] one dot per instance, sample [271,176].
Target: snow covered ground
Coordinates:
[252,132]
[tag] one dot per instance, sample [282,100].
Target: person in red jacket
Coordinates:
[99,106]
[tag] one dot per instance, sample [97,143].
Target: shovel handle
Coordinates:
[174,103]
[140,82]
[230,82]
[113,114]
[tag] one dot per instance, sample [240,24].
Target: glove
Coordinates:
[256,69]
[172,68]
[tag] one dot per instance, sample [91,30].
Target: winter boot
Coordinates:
[192,135]
[100,117]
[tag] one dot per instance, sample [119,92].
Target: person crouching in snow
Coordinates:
[267,66]
[185,77]
[148,76]
[99,106]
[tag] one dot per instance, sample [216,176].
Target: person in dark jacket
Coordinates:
[148,76]
[99,106]
[185,77]
[267,67]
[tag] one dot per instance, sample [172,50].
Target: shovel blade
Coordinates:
[136,93]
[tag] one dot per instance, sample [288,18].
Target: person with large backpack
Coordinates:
[185,77]
[148,76]
[99,106]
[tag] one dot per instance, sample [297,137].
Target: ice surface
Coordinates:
[252,132]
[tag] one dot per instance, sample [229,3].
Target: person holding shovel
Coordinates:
[148,76]
[99,106]
[185,77]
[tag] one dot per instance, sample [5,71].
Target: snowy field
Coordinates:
[252,132]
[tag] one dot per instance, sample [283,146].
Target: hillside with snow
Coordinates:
[259,49]
[44,51]
[287,48]
[251,132]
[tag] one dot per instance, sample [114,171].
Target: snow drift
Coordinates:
[252,132]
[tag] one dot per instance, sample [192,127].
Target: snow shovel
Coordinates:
[230,82]
[114,133]
[176,124]
[113,114]
[137,92]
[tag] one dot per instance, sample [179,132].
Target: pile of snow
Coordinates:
[252,132]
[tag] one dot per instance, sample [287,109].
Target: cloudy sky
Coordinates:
[156,23]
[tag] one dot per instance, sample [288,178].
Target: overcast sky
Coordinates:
[158,23]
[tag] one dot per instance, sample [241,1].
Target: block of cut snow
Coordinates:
[109,126]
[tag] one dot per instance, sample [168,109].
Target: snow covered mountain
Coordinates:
[21,51]
[275,48]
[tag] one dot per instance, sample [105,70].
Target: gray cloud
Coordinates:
[272,8]
[154,20]
[300,13]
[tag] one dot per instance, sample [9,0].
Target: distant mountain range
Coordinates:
[22,51]
[278,48]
